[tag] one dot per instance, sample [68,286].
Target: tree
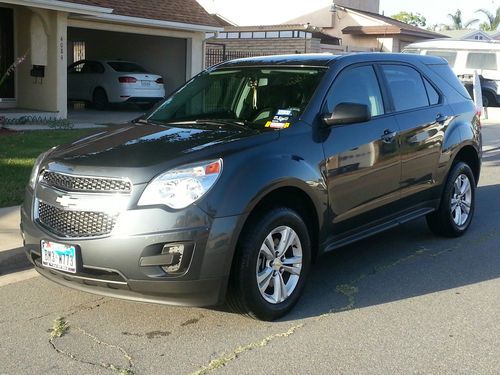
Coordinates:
[493,21]
[415,19]
[457,22]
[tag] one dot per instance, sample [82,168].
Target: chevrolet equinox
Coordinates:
[230,188]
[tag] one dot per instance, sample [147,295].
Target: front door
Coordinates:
[7,88]
[362,159]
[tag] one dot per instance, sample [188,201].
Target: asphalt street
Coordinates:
[403,302]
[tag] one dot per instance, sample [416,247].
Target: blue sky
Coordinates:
[261,12]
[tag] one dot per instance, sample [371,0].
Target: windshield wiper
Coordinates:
[211,121]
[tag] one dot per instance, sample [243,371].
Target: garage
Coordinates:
[166,39]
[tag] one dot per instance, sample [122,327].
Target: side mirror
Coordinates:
[348,113]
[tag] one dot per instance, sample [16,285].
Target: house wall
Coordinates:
[160,55]
[47,93]
[268,46]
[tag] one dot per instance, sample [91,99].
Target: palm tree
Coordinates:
[457,22]
[493,20]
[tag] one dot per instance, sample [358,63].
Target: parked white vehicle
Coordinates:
[464,58]
[113,81]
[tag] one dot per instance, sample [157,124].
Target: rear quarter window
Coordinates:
[445,72]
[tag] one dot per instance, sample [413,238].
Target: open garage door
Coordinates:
[162,55]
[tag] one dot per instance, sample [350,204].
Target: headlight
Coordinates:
[182,186]
[36,167]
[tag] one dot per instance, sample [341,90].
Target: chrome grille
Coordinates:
[86,184]
[75,223]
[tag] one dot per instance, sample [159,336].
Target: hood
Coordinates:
[140,151]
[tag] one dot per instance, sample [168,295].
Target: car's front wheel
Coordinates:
[271,265]
[457,203]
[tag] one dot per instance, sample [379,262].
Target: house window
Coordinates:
[286,34]
[272,34]
[222,36]
[246,35]
[259,34]
[78,51]
[233,35]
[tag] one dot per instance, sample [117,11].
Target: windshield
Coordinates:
[257,97]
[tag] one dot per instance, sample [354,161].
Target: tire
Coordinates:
[100,98]
[252,258]
[453,218]
[489,100]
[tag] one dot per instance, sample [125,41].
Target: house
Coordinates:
[363,29]
[471,34]
[165,36]
[245,41]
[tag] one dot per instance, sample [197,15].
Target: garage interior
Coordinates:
[161,55]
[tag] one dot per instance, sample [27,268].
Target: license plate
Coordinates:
[59,256]
[146,83]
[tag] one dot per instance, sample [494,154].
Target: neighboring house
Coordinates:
[165,36]
[242,41]
[471,34]
[364,30]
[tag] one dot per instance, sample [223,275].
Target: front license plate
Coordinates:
[59,256]
[146,83]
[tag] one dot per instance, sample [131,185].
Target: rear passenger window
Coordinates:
[406,86]
[477,60]
[431,93]
[357,85]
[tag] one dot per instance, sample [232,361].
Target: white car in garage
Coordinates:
[113,81]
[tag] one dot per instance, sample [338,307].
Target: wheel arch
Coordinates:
[469,155]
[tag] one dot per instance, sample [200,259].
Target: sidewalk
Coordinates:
[12,257]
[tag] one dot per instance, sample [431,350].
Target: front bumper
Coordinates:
[111,266]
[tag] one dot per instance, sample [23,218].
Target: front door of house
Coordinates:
[7,88]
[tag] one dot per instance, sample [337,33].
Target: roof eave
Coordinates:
[62,6]
[154,23]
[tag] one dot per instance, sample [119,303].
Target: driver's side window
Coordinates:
[357,85]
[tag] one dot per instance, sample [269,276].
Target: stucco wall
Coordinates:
[47,93]
[161,55]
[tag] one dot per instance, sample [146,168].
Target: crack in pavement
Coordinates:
[61,327]
[75,309]
[231,356]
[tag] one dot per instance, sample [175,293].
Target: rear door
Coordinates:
[362,159]
[422,117]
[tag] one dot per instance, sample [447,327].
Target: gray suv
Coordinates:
[230,188]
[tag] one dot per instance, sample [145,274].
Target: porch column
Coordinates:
[194,55]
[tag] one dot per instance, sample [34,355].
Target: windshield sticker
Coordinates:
[280,119]
[284,112]
[277,125]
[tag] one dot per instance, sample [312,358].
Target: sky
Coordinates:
[262,12]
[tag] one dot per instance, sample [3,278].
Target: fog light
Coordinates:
[177,251]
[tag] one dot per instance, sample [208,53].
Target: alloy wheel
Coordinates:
[279,264]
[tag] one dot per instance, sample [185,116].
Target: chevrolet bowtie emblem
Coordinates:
[66,201]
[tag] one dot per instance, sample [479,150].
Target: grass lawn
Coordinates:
[17,155]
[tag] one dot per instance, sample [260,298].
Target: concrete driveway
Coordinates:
[403,302]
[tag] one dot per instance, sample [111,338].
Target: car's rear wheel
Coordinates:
[456,209]
[100,98]
[272,262]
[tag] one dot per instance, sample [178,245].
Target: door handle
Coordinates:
[388,136]
[440,118]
